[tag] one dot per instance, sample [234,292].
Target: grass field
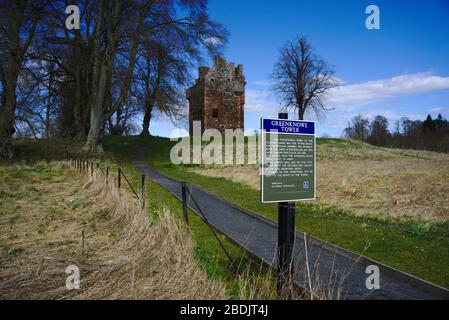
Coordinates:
[370,181]
[414,243]
[52,218]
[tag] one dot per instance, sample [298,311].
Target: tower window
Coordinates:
[215,113]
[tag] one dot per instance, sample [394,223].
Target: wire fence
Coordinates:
[84,166]
[185,205]
[89,166]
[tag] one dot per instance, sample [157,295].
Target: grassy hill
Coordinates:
[392,184]
[388,204]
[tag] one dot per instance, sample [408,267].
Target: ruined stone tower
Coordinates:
[218,97]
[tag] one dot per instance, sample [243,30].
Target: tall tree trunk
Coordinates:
[102,70]
[95,137]
[117,129]
[16,49]
[146,120]
[150,100]
[80,131]
[301,108]
[50,94]
[131,66]
[47,118]
[7,111]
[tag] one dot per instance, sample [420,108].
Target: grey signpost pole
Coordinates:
[286,239]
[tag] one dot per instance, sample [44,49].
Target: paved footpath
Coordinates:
[339,272]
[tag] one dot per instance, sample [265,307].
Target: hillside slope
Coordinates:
[414,244]
[51,219]
[367,180]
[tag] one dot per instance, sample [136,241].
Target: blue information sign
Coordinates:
[288,160]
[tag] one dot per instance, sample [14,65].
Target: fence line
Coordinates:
[86,166]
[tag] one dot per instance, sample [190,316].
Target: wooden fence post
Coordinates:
[143,191]
[184,202]
[119,178]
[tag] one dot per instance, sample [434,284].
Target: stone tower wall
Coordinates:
[218,97]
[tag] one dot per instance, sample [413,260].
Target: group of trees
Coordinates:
[129,57]
[126,57]
[430,134]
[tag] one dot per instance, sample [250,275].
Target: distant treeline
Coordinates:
[430,134]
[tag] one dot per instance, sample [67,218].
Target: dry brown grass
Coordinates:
[123,255]
[401,187]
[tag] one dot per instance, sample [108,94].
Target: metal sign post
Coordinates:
[288,175]
[286,241]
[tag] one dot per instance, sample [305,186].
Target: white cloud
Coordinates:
[178,133]
[435,109]
[352,99]
[260,101]
[361,93]
[353,95]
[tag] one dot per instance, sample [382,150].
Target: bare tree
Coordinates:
[132,20]
[380,134]
[18,24]
[302,79]
[358,128]
[56,81]
[163,70]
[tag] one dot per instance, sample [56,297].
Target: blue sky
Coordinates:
[401,70]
